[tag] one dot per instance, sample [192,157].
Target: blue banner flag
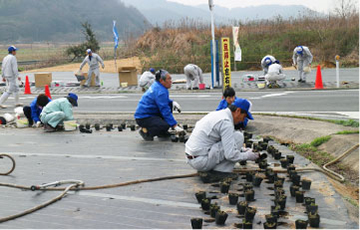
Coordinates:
[116,35]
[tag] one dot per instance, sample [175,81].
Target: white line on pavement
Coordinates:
[272,95]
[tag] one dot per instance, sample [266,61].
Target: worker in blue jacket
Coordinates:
[228,98]
[154,111]
[33,111]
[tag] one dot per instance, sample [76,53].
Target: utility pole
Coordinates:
[211,7]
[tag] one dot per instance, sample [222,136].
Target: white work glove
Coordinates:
[178,129]
[176,107]
[38,124]
[250,155]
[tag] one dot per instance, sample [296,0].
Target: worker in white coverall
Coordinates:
[10,74]
[266,62]
[93,60]
[193,74]
[302,58]
[275,73]
[147,79]
[214,145]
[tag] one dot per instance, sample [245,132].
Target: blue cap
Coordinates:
[299,49]
[152,70]
[88,51]
[12,48]
[245,105]
[74,97]
[268,61]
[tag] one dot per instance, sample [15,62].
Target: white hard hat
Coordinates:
[88,51]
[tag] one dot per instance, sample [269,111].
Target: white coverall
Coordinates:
[302,60]
[146,80]
[215,144]
[264,65]
[193,73]
[57,111]
[10,73]
[274,74]
[93,68]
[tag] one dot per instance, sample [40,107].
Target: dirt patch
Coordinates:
[109,66]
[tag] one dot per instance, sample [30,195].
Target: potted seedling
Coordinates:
[196,223]
[241,207]
[312,208]
[257,179]
[290,158]
[284,163]
[185,127]
[247,186]
[224,187]
[200,196]
[250,213]
[271,218]
[270,225]
[277,155]
[263,164]
[108,127]
[314,220]
[214,208]
[309,200]
[247,224]
[301,224]
[299,196]
[242,162]
[248,144]
[233,198]
[293,189]
[267,139]
[305,184]
[205,204]
[295,179]
[281,201]
[132,127]
[270,149]
[123,125]
[249,195]
[87,126]
[275,210]
[97,127]
[290,167]
[221,217]
[280,178]
[249,176]
[278,184]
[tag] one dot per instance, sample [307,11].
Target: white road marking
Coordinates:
[272,95]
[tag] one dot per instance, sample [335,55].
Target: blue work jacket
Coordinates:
[156,102]
[35,110]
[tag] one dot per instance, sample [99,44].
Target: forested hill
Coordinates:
[60,20]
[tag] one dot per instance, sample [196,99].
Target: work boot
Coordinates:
[195,88]
[216,176]
[60,127]
[48,128]
[145,135]
[3,106]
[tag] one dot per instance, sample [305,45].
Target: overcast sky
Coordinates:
[318,5]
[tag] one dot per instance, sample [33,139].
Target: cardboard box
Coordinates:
[128,74]
[92,83]
[42,79]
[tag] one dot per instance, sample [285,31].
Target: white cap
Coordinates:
[88,51]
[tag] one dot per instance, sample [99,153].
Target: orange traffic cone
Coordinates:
[47,91]
[27,86]
[318,81]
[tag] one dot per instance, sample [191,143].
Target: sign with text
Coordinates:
[225,44]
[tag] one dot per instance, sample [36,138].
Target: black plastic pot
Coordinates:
[314,220]
[196,223]
[267,139]
[293,189]
[182,138]
[290,167]
[295,179]
[224,187]
[233,198]
[97,127]
[271,177]
[248,135]
[205,204]
[250,213]
[263,164]
[214,208]
[280,178]
[299,196]
[108,128]
[312,208]
[309,200]
[275,210]
[249,195]
[123,125]
[132,127]
[279,192]
[247,224]
[221,217]
[185,127]
[200,196]
[248,186]
[271,218]
[249,176]
[305,184]
[111,125]
[263,156]
[120,129]
[263,145]
[248,144]
[270,225]
[277,155]
[284,163]
[290,159]
[281,201]
[268,171]
[301,224]
[241,207]
[257,180]
[87,125]
[242,162]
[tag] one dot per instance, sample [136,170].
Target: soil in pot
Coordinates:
[271,218]
[221,217]
[305,184]
[233,198]
[247,224]
[196,223]
[301,224]
[270,225]
[200,196]
[241,207]
[224,187]
[299,196]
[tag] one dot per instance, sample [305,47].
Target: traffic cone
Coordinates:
[27,86]
[47,91]
[318,81]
